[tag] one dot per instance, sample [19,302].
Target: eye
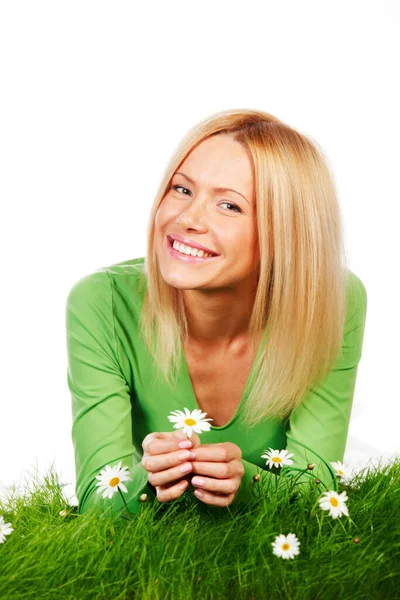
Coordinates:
[175,187]
[234,205]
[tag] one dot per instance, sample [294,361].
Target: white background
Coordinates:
[95,97]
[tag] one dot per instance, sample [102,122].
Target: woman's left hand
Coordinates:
[221,469]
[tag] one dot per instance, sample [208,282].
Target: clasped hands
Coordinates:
[219,466]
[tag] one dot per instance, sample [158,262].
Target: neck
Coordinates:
[217,319]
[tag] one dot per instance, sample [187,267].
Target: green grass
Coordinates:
[191,550]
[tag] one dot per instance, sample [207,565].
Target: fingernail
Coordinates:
[186,467]
[185,444]
[197,481]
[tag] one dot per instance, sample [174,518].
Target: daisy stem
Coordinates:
[301,471]
[306,470]
[123,499]
[315,477]
[342,526]
[266,480]
[262,487]
[350,520]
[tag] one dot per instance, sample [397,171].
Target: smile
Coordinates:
[187,257]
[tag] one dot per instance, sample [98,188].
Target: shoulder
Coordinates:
[356,296]
[117,284]
[100,283]
[129,276]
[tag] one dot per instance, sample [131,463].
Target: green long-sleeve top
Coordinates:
[117,399]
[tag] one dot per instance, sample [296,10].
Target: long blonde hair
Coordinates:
[301,292]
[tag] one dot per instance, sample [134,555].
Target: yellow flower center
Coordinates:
[340,472]
[276,459]
[114,481]
[190,422]
[334,501]
[285,546]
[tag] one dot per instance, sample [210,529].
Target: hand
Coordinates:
[163,458]
[222,466]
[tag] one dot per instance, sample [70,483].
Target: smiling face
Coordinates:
[222,221]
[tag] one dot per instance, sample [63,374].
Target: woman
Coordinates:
[264,334]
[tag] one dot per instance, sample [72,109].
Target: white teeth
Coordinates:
[188,250]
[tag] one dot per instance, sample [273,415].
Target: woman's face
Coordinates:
[223,221]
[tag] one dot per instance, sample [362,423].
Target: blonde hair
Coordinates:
[301,293]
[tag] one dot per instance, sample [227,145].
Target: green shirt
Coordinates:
[117,399]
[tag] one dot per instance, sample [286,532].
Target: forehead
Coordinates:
[220,161]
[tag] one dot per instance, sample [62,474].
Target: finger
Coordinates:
[222,452]
[220,470]
[167,475]
[225,487]
[159,439]
[168,493]
[162,446]
[163,442]
[214,499]
[161,462]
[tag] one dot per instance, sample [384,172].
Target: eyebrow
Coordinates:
[216,189]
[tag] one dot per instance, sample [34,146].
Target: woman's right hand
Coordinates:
[163,459]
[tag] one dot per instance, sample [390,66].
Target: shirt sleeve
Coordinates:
[101,404]
[318,427]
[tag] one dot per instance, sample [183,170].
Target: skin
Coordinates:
[218,297]
[218,294]
[218,465]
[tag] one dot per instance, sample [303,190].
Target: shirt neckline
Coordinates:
[192,397]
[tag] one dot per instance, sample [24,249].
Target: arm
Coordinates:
[101,405]
[320,423]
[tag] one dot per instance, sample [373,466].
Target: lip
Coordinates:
[186,257]
[192,243]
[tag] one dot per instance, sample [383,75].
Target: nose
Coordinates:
[194,217]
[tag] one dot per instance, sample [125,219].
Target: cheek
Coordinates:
[160,217]
[164,213]
[253,253]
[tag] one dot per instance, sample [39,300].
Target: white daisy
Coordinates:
[277,458]
[341,470]
[110,479]
[5,529]
[190,421]
[335,503]
[286,546]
